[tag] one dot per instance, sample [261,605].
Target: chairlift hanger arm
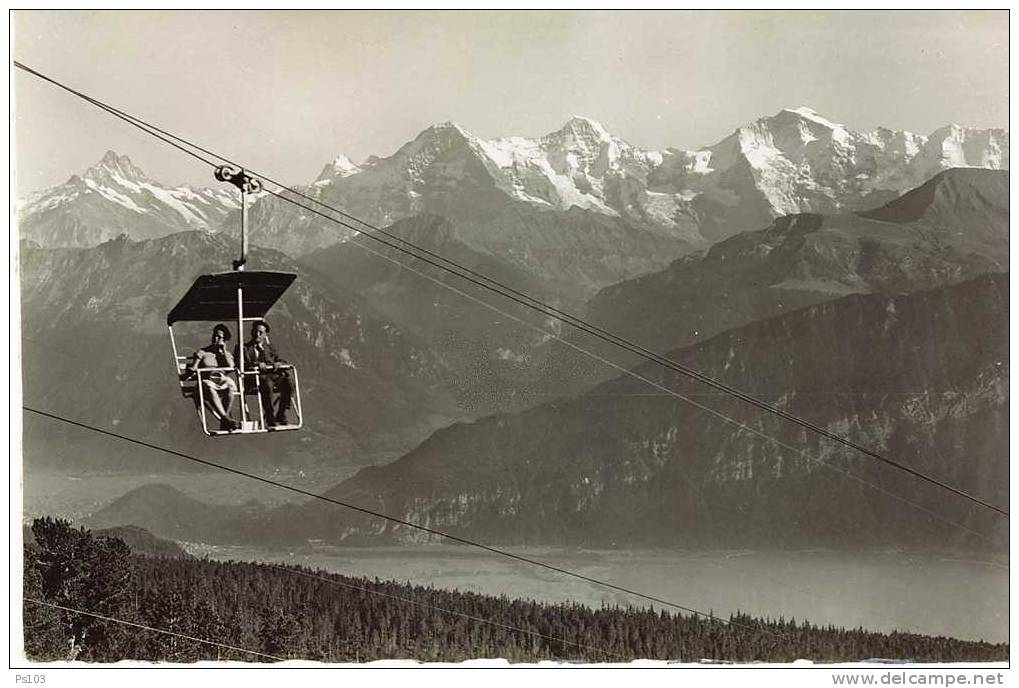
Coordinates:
[247,185]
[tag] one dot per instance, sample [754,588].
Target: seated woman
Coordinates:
[219,388]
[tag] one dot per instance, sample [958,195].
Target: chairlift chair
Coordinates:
[241,297]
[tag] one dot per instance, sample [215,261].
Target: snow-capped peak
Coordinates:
[813,116]
[448,127]
[116,164]
[579,123]
[441,135]
[115,196]
[341,166]
[795,160]
[448,124]
[343,163]
[580,131]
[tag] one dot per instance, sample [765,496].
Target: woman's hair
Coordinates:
[224,329]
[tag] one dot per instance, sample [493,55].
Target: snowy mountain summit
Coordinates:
[566,168]
[113,167]
[580,165]
[800,161]
[794,161]
[113,197]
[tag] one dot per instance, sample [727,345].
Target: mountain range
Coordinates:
[574,214]
[920,377]
[116,197]
[577,209]
[453,358]
[855,279]
[952,228]
[795,161]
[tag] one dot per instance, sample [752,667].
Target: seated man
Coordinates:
[260,355]
[219,389]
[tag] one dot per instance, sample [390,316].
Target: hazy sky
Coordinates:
[286,91]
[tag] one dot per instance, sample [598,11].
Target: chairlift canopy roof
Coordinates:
[214,297]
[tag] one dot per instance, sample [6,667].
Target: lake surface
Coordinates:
[937,594]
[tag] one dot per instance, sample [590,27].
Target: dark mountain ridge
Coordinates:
[972,199]
[922,378]
[144,543]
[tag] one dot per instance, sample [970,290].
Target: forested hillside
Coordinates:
[293,613]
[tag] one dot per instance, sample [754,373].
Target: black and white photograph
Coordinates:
[565,339]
